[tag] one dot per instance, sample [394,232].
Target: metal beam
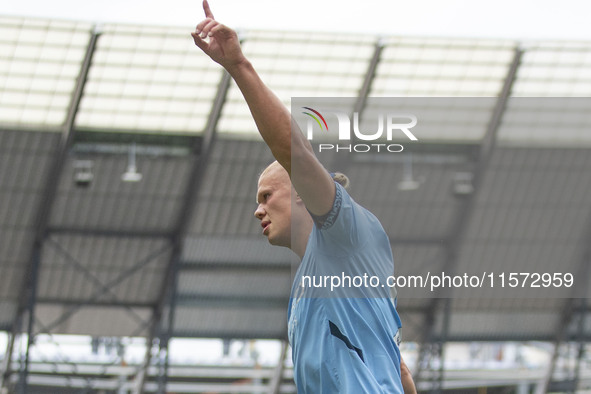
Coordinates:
[28,288]
[370,75]
[6,363]
[7,127]
[91,277]
[65,141]
[236,266]
[342,162]
[97,232]
[97,303]
[482,337]
[278,334]
[404,241]
[169,284]
[573,306]
[275,383]
[544,385]
[236,301]
[462,219]
[487,337]
[141,377]
[580,346]
[24,372]
[581,307]
[106,288]
[486,148]
[162,367]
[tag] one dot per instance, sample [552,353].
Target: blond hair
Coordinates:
[341,179]
[338,177]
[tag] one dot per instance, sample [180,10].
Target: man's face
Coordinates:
[274,205]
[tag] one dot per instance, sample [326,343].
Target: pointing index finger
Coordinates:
[208,13]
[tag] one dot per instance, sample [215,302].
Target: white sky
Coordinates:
[515,19]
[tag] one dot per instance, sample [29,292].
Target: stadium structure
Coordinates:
[128,172]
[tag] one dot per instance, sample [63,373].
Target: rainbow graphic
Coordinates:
[315,118]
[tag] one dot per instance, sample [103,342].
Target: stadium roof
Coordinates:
[180,253]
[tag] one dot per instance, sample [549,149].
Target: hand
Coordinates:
[218,41]
[408,384]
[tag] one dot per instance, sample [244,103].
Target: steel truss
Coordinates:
[432,345]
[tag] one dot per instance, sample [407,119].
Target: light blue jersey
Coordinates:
[344,339]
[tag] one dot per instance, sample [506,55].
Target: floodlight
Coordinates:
[131,174]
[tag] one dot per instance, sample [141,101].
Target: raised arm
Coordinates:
[274,122]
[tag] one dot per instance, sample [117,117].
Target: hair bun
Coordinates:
[341,179]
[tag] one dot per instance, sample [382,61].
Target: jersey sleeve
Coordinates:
[327,220]
[353,242]
[347,223]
